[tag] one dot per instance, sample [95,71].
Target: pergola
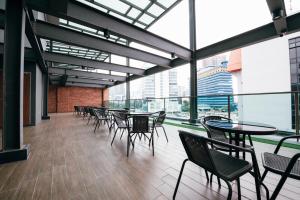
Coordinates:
[74,45]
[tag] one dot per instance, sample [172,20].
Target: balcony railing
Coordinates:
[280,109]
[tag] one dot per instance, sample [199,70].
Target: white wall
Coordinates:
[266,69]
[39,95]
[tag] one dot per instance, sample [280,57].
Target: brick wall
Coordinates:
[63,99]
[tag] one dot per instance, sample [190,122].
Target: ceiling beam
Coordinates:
[65,35]
[91,17]
[90,81]
[73,60]
[84,74]
[278,12]
[85,85]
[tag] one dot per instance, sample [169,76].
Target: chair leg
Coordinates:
[156,131]
[96,126]
[178,180]
[128,143]
[264,175]
[257,185]
[207,177]
[114,136]
[278,187]
[219,182]
[229,190]
[122,134]
[165,133]
[239,188]
[152,143]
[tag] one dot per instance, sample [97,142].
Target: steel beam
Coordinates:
[37,49]
[13,73]
[193,63]
[278,12]
[73,60]
[91,17]
[84,85]
[90,81]
[53,32]
[77,73]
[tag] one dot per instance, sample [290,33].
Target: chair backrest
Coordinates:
[120,118]
[197,150]
[140,124]
[214,133]
[160,119]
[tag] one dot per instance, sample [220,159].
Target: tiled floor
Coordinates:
[69,161]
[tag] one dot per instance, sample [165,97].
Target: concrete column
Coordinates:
[13,75]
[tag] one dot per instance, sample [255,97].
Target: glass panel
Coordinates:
[166,3]
[114,5]
[155,105]
[93,5]
[272,109]
[147,19]
[155,10]
[140,3]
[133,13]
[177,108]
[140,25]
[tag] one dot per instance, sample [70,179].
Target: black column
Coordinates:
[193,63]
[127,83]
[45,95]
[13,75]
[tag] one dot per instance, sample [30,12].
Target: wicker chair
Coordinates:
[122,122]
[285,166]
[224,166]
[158,121]
[101,115]
[140,128]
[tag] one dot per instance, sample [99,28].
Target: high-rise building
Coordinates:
[149,87]
[213,81]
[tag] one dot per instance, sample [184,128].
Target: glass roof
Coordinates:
[142,13]
[59,47]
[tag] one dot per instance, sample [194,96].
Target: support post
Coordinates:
[46,89]
[228,106]
[193,63]
[45,95]
[296,99]
[127,83]
[13,75]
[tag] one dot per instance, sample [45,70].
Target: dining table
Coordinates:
[241,128]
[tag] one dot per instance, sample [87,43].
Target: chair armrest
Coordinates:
[249,150]
[282,140]
[292,163]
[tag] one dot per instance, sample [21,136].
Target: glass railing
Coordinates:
[277,109]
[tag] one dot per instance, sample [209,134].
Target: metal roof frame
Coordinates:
[54,32]
[73,60]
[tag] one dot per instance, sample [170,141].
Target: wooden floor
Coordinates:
[69,161]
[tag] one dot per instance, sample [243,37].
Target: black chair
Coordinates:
[91,114]
[140,128]
[224,166]
[158,122]
[285,166]
[122,122]
[101,114]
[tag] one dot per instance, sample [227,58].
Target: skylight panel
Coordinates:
[114,5]
[166,3]
[93,5]
[140,3]
[155,10]
[147,19]
[134,13]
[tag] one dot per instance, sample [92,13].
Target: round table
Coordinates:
[241,128]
